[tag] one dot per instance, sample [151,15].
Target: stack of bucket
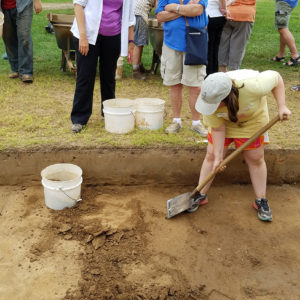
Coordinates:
[122,115]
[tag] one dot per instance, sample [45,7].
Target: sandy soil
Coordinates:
[118,244]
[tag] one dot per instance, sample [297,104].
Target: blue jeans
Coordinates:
[17,39]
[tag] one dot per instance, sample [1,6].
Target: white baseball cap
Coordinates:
[215,88]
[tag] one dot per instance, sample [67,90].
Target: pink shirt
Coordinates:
[111,17]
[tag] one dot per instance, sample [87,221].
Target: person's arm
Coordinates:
[279,95]
[37,4]
[218,138]
[189,10]
[223,7]
[83,40]
[165,16]
[130,44]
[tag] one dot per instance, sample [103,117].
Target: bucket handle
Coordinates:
[132,114]
[74,200]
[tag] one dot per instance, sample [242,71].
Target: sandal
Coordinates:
[293,62]
[295,88]
[277,59]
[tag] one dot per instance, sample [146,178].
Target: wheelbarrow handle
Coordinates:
[235,153]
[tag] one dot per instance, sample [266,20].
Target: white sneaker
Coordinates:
[200,129]
[174,127]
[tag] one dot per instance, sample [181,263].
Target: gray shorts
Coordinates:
[233,43]
[174,71]
[282,14]
[140,32]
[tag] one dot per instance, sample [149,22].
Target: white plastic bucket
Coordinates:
[62,185]
[1,23]
[119,105]
[149,113]
[119,121]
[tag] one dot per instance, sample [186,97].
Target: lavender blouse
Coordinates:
[111,17]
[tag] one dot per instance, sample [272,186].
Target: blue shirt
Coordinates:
[174,31]
[292,3]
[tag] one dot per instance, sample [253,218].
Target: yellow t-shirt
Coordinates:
[253,109]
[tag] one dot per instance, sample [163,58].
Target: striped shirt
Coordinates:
[143,8]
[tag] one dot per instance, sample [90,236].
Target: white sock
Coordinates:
[177,120]
[194,123]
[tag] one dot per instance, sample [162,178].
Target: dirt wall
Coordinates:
[141,166]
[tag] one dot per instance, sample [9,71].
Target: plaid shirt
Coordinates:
[143,8]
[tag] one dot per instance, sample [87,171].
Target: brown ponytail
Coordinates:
[232,103]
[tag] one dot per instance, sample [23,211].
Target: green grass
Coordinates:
[38,115]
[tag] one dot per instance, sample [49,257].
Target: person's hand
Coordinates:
[193,1]
[130,52]
[216,164]
[226,13]
[37,6]
[284,113]
[83,45]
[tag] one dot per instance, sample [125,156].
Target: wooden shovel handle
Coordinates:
[235,153]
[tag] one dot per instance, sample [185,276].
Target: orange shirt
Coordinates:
[243,10]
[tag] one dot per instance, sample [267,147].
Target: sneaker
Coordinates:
[263,209]
[199,128]
[173,127]
[77,128]
[26,78]
[138,75]
[199,199]
[13,75]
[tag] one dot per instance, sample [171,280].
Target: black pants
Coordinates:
[214,28]
[108,49]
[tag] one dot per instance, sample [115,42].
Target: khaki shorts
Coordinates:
[282,14]
[174,71]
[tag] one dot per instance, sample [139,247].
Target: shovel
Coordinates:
[185,201]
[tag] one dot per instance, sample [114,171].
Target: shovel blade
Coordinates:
[178,204]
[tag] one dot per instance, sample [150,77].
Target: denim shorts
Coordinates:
[282,14]
[140,32]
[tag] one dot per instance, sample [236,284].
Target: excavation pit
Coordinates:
[118,244]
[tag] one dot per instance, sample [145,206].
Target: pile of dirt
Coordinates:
[107,250]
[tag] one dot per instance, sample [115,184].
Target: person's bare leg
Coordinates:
[258,170]
[176,99]
[207,167]
[193,96]
[136,63]
[286,38]
[282,46]
[137,55]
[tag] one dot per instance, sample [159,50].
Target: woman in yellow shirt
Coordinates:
[234,107]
